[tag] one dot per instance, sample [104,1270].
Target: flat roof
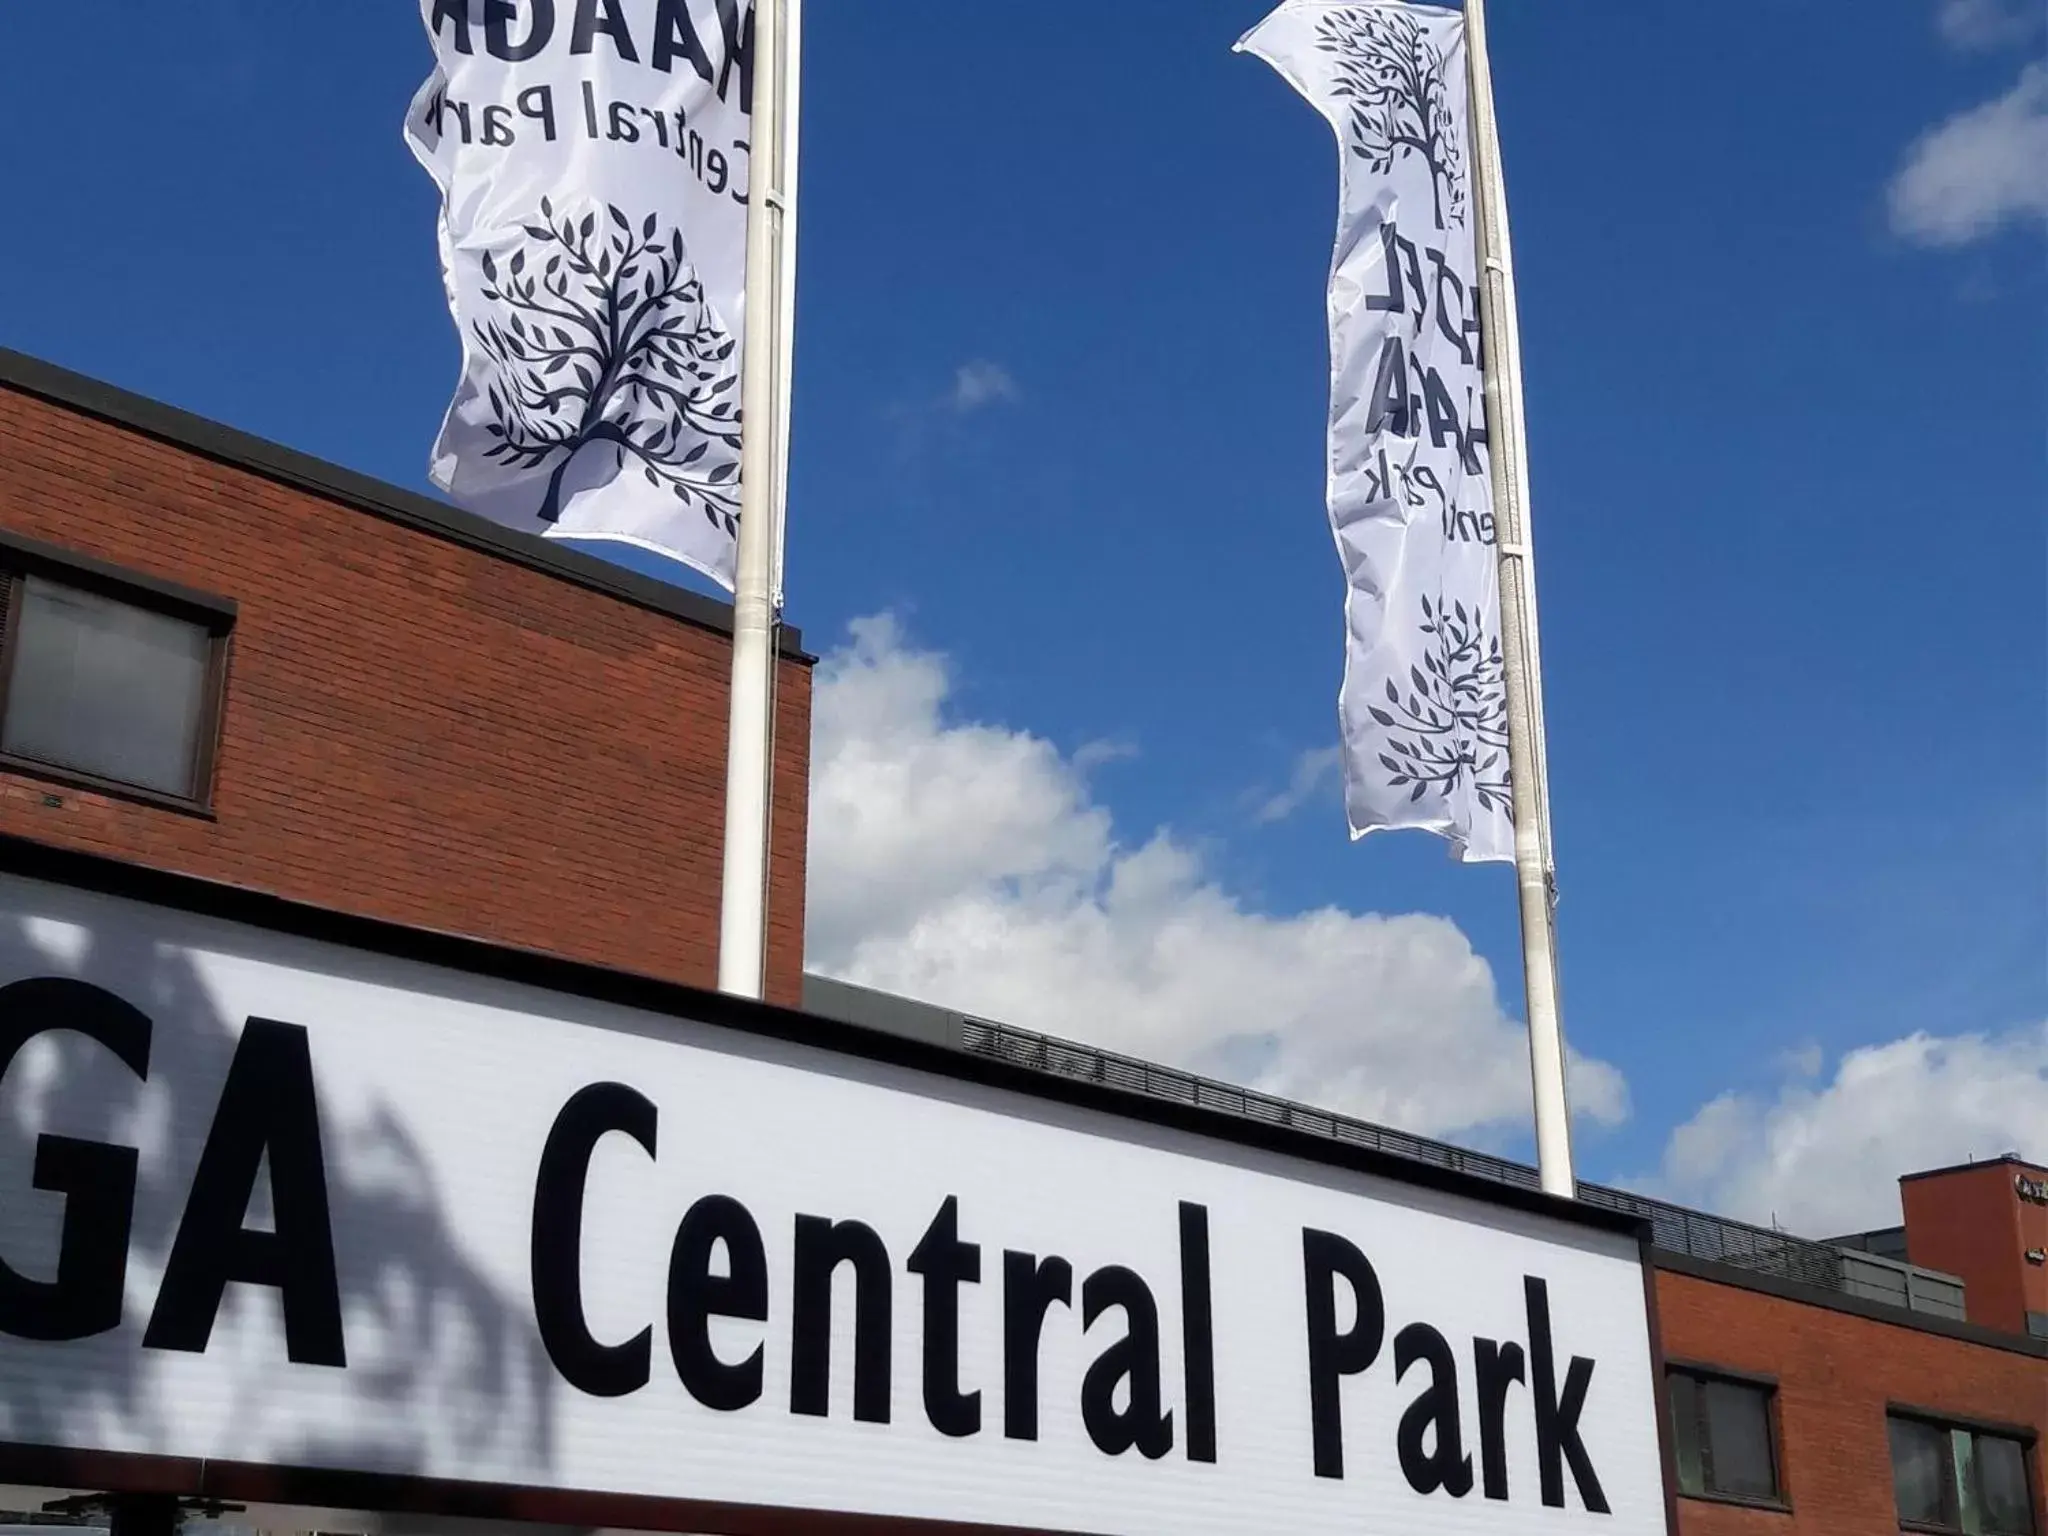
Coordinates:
[29,859]
[2003,1159]
[363,493]
[1698,1243]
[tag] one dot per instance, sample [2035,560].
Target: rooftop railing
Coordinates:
[1674,1228]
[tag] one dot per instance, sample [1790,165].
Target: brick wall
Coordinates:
[1971,1222]
[417,730]
[1836,1372]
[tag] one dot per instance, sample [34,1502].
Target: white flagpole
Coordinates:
[1507,441]
[743,898]
[785,318]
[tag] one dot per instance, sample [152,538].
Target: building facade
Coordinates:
[1988,1223]
[227,662]
[235,662]
[1836,1416]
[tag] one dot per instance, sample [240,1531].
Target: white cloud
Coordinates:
[1979,170]
[969,865]
[1825,1160]
[1977,25]
[1312,770]
[981,383]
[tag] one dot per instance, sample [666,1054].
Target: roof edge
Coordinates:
[2003,1160]
[1836,1301]
[364,493]
[31,858]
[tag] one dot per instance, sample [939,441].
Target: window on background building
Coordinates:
[1724,1430]
[119,686]
[1949,1478]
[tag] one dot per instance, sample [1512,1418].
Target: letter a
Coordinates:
[267,1111]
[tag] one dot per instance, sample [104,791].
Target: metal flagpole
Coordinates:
[1507,441]
[785,317]
[743,898]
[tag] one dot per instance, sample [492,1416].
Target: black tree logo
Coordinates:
[603,340]
[1450,730]
[1395,79]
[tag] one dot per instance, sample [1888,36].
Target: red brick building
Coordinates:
[1988,1223]
[390,707]
[1847,1391]
[361,699]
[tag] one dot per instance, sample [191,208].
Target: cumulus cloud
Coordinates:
[1977,25]
[969,864]
[979,384]
[1978,171]
[1824,1160]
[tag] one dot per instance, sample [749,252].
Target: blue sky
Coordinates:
[1786,425]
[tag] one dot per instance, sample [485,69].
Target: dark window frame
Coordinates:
[22,557]
[1949,1423]
[1700,1372]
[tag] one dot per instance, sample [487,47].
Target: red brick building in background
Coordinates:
[362,699]
[1988,1224]
[409,713]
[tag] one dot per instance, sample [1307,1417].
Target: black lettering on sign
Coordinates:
[738,32]
[267,1111]
[1432,1417]
[1325,1259]
[696,1295]
[675,37]
[946,1264]
[537,104]
[602,1370]
[1198,1331]
[1030,1287]
[457,12]
[1402,268]
[1445,429]
[96,1180]
[500,16]
[595,16]
[1389,406]
[1498,1367]
[822,1245]
[1132,1360]
[1557,1414]
[1450,314]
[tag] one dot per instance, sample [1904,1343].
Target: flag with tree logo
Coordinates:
[1423,705]
[593,168]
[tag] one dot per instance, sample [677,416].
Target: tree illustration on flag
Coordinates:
[1449,728]
[1393,75]
[603,342]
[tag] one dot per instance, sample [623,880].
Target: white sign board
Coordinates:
[275,1200]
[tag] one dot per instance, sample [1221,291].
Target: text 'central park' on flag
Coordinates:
[1423,707]
[594,172]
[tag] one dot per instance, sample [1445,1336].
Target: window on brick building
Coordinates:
[1952,1478]
[108,679]
[1724,1430]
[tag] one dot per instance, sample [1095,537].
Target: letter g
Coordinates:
[97,1180]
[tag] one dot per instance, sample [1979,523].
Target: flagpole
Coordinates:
[785,315]
[749,768]
[1507,440]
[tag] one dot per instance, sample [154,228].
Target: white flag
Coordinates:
[593,166]
[1423,708]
